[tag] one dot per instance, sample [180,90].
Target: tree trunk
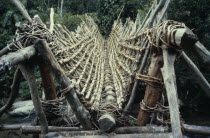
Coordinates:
[152,93]
[47,82]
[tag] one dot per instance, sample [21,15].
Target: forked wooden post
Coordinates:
[29,76]
[80,111]
[171,90]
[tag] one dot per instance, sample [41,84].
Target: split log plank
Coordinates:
[14,58]
[14,92]
[80,111]
[171,90]
[152,93]
[30,77]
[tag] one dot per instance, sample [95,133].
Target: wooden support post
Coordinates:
[196,74]
[22,9]
[14,92]
[47,82]
[171,90]
[133,93]
[152,93]
[80,111]
[29,75]
[203,54]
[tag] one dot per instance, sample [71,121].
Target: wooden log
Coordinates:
[14,92]
[120,130]
[154,14]
[51,20]
[143,135]
[133,92]
[80,111]
[22,9]
[203,54]
[29,76]
[6,50]
[14,58]
[185,38]
[106,123]
[28,129]
[196,74]
[152,93]
[47,82]
[37,129]
[196,130]
[171,90]
[6,127]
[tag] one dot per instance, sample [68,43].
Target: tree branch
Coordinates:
[14,92]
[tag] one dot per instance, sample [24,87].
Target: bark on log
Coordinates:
[143,135]
[152,93]
[120,130]
[14,58]
[80,111]
[29,76]
[14,92]
[196,74]
[171,90]
[47,82]
[37,129]
[28,129]
[197,130]
[133,92]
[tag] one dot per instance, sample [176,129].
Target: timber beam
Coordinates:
[10,60]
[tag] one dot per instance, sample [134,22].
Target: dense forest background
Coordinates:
[194,13]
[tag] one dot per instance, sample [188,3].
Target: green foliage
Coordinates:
[72,21]
[110,10]
[195,14]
